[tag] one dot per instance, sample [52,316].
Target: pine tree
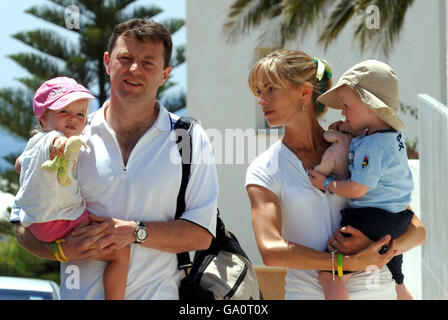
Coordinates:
[91,23]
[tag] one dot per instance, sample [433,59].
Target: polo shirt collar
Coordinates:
[163,121]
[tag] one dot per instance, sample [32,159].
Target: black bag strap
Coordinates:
[183,128]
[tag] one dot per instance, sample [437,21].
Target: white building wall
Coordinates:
[434,189]
[218,94]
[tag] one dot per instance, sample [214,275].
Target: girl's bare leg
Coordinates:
[116,274]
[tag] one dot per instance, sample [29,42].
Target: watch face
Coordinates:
[141,234]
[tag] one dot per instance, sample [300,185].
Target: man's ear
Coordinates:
[166,74]
[106,59]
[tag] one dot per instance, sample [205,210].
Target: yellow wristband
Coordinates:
[64,258]
[59,259]
[340,273]
[55,252]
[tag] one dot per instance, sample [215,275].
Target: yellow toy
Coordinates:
[61,163]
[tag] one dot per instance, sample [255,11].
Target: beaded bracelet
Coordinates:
[332,264]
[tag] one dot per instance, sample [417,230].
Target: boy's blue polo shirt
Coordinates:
[379,161]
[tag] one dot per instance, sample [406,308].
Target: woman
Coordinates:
[292,220]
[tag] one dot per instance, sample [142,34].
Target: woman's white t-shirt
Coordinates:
[309,218]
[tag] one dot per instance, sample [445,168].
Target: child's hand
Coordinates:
[344,127]
[58,146]
[337,126]
[317,179]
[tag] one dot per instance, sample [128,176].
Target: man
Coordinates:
[130,179]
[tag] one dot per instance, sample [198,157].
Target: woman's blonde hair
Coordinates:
[292,67]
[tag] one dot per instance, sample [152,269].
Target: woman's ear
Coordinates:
[305,91]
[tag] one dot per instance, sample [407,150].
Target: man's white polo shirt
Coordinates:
[145,189]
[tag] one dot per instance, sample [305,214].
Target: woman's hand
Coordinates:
[371,256]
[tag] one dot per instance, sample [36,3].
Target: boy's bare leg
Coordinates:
[116,274]
[334,290]
[403,292]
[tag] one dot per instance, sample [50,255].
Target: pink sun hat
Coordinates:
[56,94]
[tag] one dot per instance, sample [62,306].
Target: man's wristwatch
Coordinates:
[140,233]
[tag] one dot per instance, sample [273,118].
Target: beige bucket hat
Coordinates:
[376,84]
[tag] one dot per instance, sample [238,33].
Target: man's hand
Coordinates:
[82,242]
[107,234]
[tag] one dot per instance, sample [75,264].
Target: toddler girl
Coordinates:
[50,207]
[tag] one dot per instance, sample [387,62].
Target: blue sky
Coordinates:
[13,19]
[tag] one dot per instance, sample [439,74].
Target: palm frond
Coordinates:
[245,15]
[299,15]
[338,19]
[284,20]
[391,15]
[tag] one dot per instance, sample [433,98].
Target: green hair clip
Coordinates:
[323,69]
[323,72]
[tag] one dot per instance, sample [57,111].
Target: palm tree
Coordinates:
[82,59]
[285,20]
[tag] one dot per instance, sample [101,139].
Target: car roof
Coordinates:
[28,284]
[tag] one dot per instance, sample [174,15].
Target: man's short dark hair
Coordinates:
[144,30]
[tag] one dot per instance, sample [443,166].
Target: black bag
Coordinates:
[223,271]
